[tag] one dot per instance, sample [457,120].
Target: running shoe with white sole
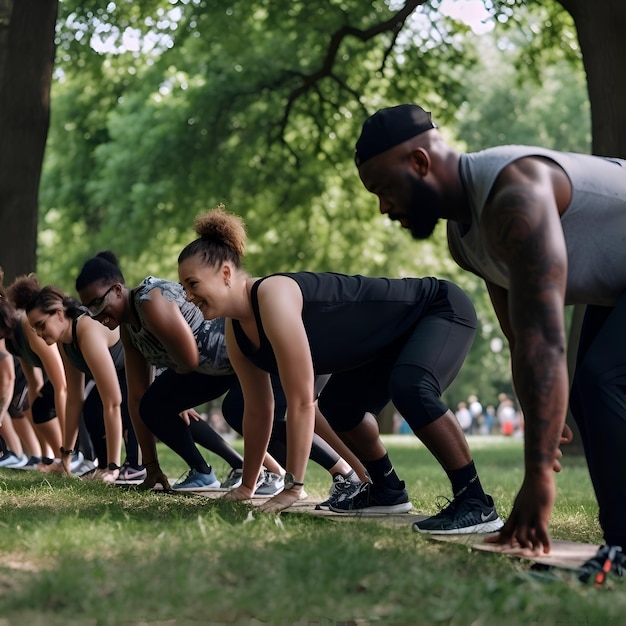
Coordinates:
[463,515]
[373,500]
[196,481]
[13,461]
[269,484]
[130,475]
[233,480]
[341,489]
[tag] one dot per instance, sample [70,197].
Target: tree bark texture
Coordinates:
[601,27]
[26,63]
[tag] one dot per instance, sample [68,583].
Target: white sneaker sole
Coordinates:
[405,507]
[486,527]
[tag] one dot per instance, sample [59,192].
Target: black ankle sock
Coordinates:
[465,482]
[382,473]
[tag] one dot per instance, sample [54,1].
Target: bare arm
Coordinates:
[74,407]
[521,227]
[138,379]
[94,340]
[165,321]
[258,413]
[280,304]
[53,366]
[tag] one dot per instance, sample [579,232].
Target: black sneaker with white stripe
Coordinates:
[374,500]
[343,487]
[464,515]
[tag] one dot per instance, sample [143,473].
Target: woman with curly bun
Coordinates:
[380,339]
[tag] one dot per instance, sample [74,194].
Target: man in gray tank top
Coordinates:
[543,229]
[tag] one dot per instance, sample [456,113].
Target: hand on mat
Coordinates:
[280,501]
[527,525]
[188,414]
[238,494]
[566,437]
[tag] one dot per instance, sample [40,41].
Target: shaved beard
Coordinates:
[424,210]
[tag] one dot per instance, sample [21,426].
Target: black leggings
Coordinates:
[43,409]
[232,408]
[413,372]
[597,401]
[171,393]
[93,413]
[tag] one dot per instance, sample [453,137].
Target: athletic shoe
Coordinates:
[374,500]
[462,516]
[341,489]
[32,463]
[131,475]
[77,458]
[85,468]
[11,460]
[196,481]
[269,484]
[608,559]
[233,480]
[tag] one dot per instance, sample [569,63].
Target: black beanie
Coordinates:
[390,127]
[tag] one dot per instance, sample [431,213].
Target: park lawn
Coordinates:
[78,552]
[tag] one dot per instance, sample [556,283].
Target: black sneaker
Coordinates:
[371,500]
[463,515]
[341,489]
[607,559]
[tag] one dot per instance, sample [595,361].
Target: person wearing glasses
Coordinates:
[89,351]
[160,329]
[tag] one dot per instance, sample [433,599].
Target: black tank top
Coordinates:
[349,320]
[76,358]
[18,346]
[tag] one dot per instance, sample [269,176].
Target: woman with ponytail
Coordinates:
[89,352]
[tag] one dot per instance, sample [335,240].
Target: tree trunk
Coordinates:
[26,63]
[600,27]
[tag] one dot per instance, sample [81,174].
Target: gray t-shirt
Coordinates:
[209,334]
[594,224]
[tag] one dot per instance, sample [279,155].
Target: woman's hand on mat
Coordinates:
[281,501]
[239,493]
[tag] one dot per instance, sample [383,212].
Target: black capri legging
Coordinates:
[412,373]
[43,409]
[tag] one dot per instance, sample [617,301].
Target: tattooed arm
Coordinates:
[521,227]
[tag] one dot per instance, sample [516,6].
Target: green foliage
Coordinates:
[196,103]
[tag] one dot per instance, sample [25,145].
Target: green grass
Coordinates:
[76,552]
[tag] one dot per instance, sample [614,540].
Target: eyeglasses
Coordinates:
[97,305]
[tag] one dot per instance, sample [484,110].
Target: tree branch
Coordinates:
[393,25]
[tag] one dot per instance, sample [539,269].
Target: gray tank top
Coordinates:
[209,334]
[594,224]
